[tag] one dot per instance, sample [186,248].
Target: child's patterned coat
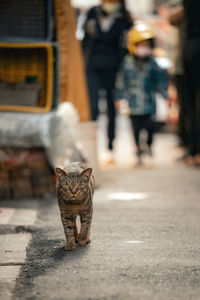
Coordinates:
[138,81]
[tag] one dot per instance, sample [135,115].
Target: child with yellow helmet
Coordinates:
[138,81]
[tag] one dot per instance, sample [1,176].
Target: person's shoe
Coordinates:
[139,157]
[197,160]
[109,157]
[190,161]
[149,151]
[183,157]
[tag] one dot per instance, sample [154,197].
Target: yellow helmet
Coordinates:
[138,33]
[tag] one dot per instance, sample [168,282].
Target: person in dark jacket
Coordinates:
[176,18]
[103,49]
[192,73]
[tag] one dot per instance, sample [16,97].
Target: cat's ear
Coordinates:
[60,173]
[86,173]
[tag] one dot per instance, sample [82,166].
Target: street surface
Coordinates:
[145,233]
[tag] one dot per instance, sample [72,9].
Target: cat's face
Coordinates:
[73,186]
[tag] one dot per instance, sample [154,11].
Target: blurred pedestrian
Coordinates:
[105,28]
[138,80]
[192,73]
[176,18]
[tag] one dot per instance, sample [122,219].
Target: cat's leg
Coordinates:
[68,224]
[75,231]
[84,235]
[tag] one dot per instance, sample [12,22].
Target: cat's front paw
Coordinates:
[70,247]
[82,240]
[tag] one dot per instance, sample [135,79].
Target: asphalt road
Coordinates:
[145,242]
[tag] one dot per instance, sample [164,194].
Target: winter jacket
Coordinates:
[103,50]
[138,81]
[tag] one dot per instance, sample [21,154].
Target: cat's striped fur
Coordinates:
[75,189]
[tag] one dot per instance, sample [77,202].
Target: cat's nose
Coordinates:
[74,191]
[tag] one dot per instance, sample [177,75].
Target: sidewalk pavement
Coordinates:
[145,242]
[13,245]
[165,147]
[159,200]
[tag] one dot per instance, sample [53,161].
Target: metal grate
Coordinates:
[16,64]
[27,69]
[25,20]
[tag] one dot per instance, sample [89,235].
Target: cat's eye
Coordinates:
[82,186]
[65,186]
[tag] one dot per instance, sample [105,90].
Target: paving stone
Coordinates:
[6,214]
[8,275]
[23,217]
[13,248]
[17,217]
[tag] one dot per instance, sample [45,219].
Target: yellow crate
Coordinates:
[18,60]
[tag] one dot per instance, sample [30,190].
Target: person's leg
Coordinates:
[183,109]
[197,99]
[148,126]
[136,128]
[198,116]
[191,110]
[192,73]
[135,123]
[94,85]
[108,79]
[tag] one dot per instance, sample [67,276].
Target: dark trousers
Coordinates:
[103,80]
[184,116]
[139,123]
[192,73]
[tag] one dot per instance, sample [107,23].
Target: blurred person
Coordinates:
[176,18]
[192,73]
[138,81]
[164,31]
[105,27]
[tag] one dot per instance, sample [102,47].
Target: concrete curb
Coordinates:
[13,247]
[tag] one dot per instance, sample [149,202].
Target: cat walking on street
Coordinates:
[75,189]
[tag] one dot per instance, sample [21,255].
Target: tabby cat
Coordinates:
[75,189]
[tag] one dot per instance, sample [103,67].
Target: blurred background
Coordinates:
[54,101]
[114,84]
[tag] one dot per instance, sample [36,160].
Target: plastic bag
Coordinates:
[55,131]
